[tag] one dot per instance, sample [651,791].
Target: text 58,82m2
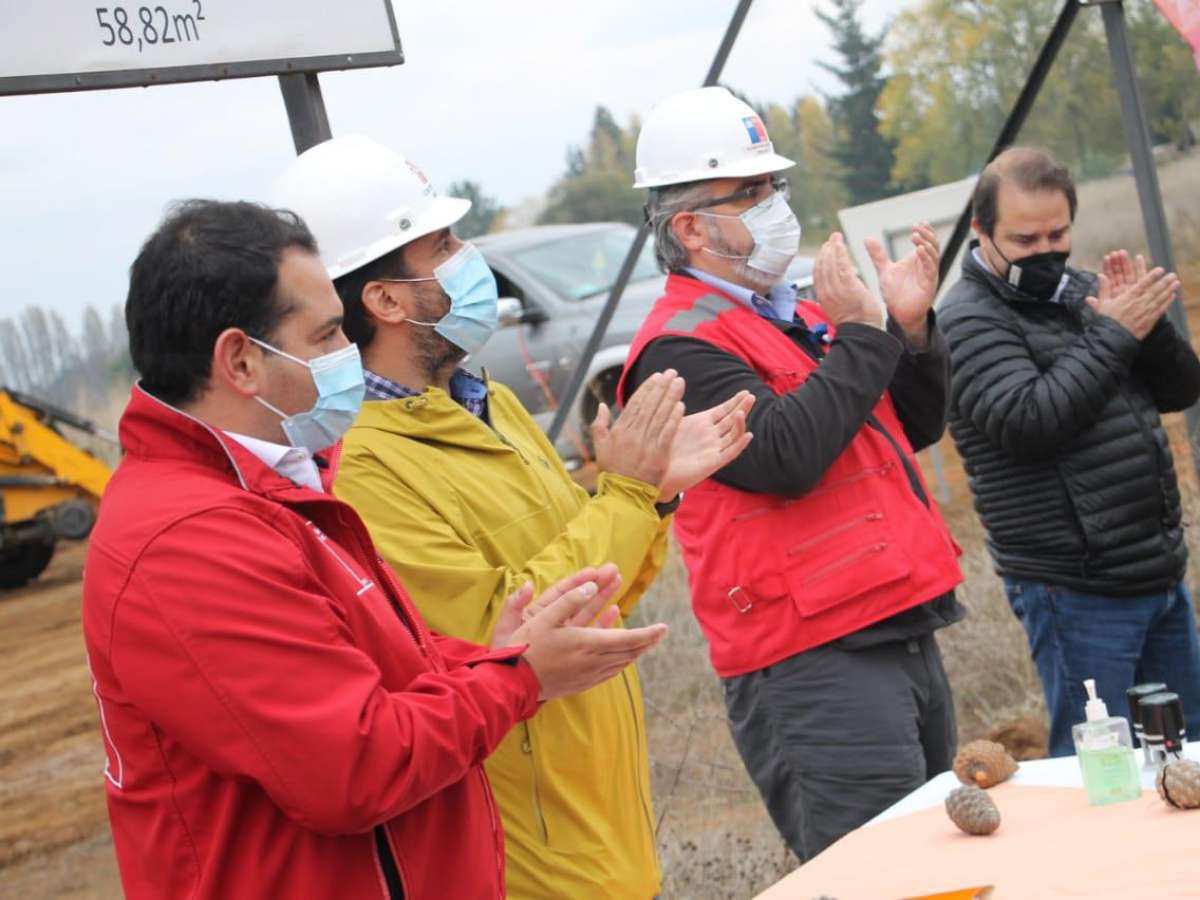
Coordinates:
[153,25]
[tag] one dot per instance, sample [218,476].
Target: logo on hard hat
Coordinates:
[428,188]
[756,129]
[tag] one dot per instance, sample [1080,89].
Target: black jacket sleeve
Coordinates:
[1168,366]
[798,435]
[1027,412]
[920,387]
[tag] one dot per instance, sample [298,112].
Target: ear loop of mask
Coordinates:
[410,281]
[724,216]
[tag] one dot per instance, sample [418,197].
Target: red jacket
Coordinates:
[278,722]
[773,576]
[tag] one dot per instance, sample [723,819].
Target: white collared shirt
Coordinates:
[293,463]
[779,303]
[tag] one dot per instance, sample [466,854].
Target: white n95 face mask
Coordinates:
[776,233]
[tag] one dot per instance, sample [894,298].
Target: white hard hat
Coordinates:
[702,134]
[362,201]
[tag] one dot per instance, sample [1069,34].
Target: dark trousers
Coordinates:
[833,737]
[1119,641]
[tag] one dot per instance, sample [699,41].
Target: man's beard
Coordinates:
[434,353]
[761,280]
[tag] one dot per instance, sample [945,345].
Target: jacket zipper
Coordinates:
[834,532]
[539,813]
[637,742]
[844,561]
[509,444]
[389,869]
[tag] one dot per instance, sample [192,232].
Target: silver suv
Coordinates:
[553,281]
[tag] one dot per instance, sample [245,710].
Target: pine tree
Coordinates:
[864,156]
[481,218]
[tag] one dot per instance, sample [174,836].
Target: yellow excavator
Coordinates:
[49,486]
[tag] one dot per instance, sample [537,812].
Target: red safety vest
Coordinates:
[772,576]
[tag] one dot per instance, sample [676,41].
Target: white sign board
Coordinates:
[891,221]
[61,45]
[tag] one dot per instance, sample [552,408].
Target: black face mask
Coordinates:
[1038,275]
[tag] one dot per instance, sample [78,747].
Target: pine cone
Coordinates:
[972,810]
[984,763]
[1179,783]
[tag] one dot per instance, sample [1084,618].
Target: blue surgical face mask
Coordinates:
[340,388]
[469,283]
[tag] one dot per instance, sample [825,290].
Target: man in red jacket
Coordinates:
[277,719]
[819,565]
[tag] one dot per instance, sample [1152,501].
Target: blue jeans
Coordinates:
[1119,641]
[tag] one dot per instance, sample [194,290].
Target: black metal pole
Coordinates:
[567,400]
[1016,118]
[1145,175]
[305,109]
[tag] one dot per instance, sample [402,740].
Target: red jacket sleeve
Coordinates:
[457,652]
[225,639]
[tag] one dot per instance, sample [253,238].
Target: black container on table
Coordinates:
[1163,726]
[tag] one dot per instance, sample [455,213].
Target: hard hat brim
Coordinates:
[747,168]
[441,213]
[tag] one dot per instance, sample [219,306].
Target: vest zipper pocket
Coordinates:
[844,561]
[834,532]
[536,798]
[851,479]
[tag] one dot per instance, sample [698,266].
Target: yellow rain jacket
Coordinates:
[466,514]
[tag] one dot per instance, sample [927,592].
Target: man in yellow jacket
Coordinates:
[467,499]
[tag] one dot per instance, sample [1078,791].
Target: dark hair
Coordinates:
[210,265]
[357,321]
[1030,169]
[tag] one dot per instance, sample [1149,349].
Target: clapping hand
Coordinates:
[909,285]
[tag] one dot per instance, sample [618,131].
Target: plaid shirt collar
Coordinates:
[468,390]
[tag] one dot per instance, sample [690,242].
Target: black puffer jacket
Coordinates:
[1055,410]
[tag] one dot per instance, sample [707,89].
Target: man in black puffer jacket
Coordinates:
[1058,380]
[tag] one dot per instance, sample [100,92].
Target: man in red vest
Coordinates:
[819,565]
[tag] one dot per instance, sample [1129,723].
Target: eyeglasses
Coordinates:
[777,184]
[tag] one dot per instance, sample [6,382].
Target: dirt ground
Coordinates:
[54,838]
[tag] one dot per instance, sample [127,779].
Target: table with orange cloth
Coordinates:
[1050,844]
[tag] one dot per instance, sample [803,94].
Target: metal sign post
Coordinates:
[305,110]
[618,289]
[1145,175]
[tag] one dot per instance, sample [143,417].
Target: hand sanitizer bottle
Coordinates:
[1105,750]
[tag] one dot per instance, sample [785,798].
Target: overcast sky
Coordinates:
[490,91]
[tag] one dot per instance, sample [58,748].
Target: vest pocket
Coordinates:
[843,562]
